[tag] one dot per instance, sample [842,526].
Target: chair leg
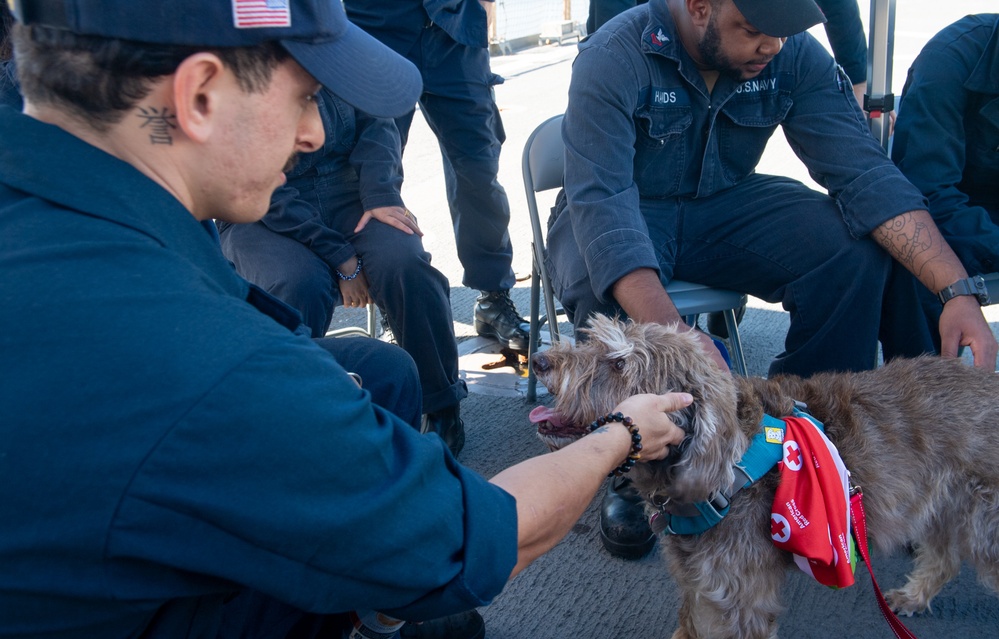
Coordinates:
[372,320]
[371,330]
[532,379]
[735,343]
[551,311]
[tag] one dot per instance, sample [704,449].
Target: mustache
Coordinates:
[291,163]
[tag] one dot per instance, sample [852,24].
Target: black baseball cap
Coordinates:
[781,18]
[316,33]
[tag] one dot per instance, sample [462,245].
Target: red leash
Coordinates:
[860,535]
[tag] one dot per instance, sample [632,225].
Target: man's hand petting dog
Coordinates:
[651,414]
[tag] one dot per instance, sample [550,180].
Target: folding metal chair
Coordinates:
[370,331]
[543,165]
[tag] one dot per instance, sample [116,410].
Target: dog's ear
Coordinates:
[712,421]
[717,441]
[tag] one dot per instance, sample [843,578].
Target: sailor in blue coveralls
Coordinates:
[849,46]
[447,41]
[671,105]
[306,252]
[287,269]
[947,139]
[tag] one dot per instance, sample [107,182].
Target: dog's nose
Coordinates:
[541,363]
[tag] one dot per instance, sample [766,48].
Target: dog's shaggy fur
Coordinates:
[919,436]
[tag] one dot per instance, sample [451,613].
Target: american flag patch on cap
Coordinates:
[249,14]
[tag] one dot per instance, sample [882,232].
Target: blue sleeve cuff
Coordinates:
[613,255]
[490,551]
[490,537]
[876,197]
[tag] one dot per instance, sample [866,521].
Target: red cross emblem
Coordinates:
[792,455]
[780,531]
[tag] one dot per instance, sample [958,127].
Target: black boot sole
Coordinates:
[630,552]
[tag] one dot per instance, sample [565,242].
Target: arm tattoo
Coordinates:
[159,122]
[909,241]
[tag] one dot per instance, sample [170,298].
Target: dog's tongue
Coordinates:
[545,414]
[550,422]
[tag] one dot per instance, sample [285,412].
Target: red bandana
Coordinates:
[811,511]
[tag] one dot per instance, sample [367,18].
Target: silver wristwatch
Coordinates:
[970,286]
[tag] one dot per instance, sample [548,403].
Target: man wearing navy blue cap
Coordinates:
[670,109]
[176,459]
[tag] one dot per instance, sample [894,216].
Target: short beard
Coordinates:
[709,49]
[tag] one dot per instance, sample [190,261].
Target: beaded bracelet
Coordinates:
[636,440]
[347,278]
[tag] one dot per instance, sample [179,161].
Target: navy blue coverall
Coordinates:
[168,450]
[294,251]
[947,140]
[660,174]
[947,137]
[447,40]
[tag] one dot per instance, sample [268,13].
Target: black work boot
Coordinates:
[446,423]
[463,625]
[624,528]
[497,317]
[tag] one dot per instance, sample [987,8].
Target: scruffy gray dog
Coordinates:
[920,436]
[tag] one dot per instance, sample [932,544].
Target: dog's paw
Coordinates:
[906,604]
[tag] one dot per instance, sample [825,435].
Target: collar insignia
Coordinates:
[658,38]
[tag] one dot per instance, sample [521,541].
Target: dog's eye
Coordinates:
[619,364]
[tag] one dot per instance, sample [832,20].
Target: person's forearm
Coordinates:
[553,491]
[643,298]
[915,241]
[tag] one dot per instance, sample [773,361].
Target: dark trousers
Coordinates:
[776,239]
[386,371]
[253,615]
[413,294]
[458,104]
